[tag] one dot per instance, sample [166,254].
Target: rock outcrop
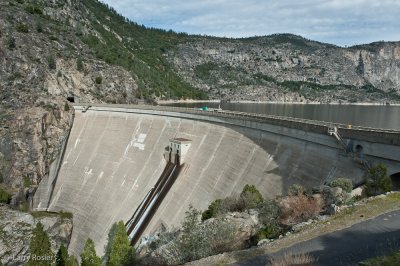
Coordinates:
[16,231]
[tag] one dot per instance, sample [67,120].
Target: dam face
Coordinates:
[112,159]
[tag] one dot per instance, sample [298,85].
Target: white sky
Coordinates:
[340,22]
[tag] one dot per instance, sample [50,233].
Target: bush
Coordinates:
[379,182]
[27,182]
[22,28]
[203,240]
[79,64]
[232,204]
[299,208]
[295,190]
[66,215]
[392,259]
[5,196]
[39,27]
[99,80]
[344,183]
[51,62]
[212,211]
[251,196]
[10,42]
[268,212]
[66,107]
[33,9]
[298,259]
[271,231]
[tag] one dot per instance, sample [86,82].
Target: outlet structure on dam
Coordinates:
[115,156]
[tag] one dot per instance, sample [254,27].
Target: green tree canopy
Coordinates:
[89,256]
[64,259]
[40,248]
[251,196]
[121,252]
[62,256]
[379,181]
[212,210]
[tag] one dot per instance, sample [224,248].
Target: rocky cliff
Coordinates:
[42,63]
[288,67]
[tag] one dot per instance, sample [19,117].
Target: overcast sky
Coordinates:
[340,22]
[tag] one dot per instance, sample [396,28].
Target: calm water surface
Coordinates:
[379,116]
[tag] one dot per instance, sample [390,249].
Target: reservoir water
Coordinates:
[376,116]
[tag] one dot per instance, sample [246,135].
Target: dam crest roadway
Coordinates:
[115,154]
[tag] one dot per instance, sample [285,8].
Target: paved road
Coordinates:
[368,239]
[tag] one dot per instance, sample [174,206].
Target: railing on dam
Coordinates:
[385,136]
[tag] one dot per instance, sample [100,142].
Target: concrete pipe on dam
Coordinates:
[113,158]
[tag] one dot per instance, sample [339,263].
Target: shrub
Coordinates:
[270,231]
[298,259]
[251,196]
[99,80]
[344,183]
[268,212]
[10,42]
[295,190]
[79,64]
[39,27]
[391,259]
[66,215]
[212,210]
[27,182]
[22,28]
[232,204]
[66,107]
[33,9]
[379,181]
[202,240]
[5,196]
[299,208]
[51,62]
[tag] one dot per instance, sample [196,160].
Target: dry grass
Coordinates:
[298,259]
[299,208]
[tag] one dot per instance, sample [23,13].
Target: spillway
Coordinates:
[112,160]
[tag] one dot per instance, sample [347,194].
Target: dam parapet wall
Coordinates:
[376,135]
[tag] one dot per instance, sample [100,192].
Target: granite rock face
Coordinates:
[16,231]
[41,65]
[290,68]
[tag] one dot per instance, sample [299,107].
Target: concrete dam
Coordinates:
[115,154]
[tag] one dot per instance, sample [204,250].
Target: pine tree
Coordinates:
[40,248]
[62,256]
[121,251]
[107,248]
[89,256]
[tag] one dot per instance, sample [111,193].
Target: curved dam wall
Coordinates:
[114,156]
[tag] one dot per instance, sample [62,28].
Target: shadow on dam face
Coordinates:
[113,159]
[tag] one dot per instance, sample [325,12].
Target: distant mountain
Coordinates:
[288,67]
